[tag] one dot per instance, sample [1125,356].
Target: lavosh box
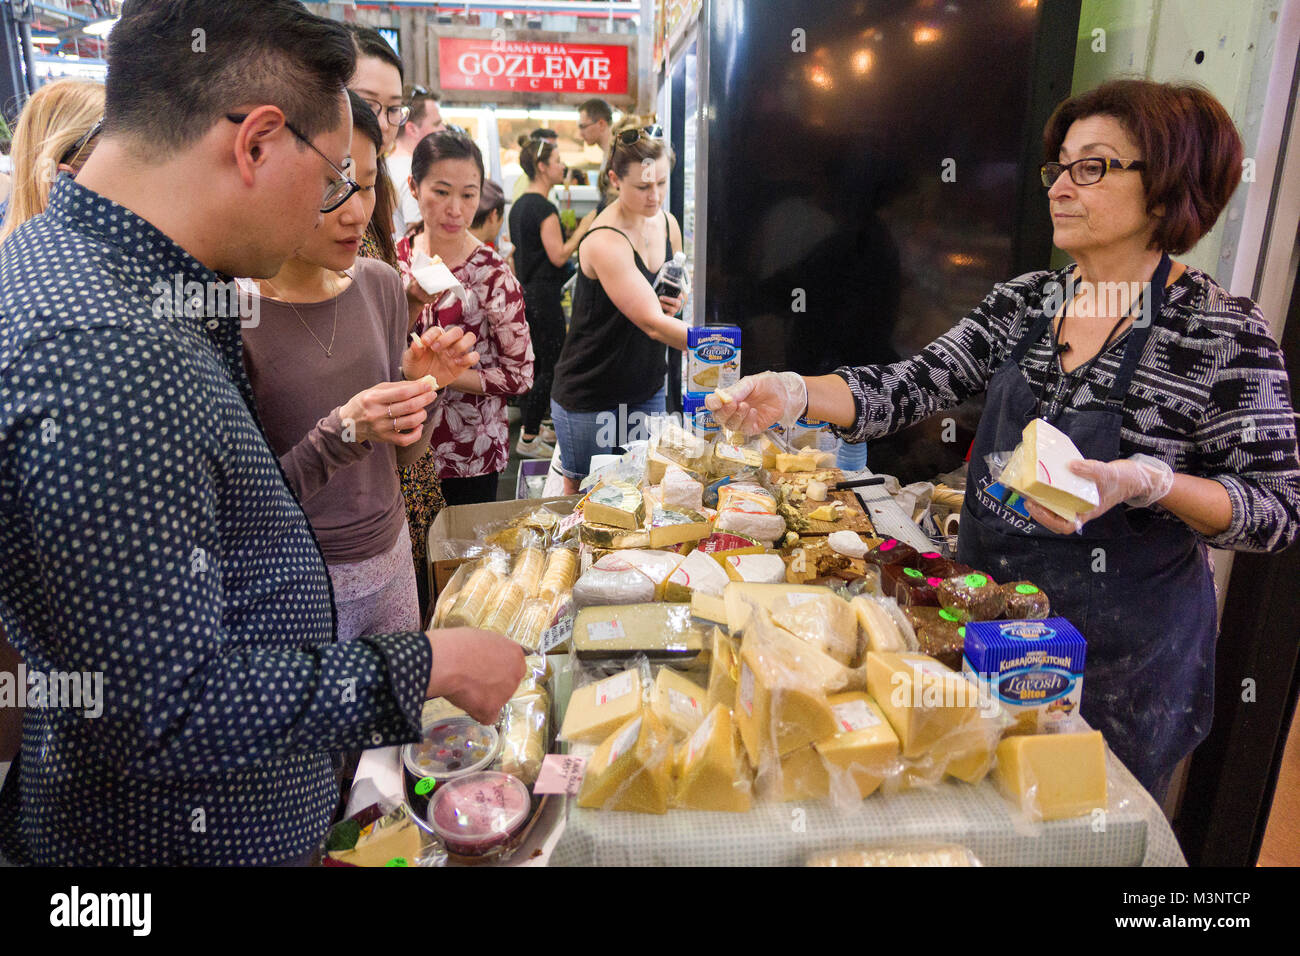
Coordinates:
[1034,669]
[697,417]
[712,358]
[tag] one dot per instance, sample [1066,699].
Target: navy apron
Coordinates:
[1138,586]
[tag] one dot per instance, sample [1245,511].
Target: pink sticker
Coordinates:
[888,545]
[560,774]
[934,582]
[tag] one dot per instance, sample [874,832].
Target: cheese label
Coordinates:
[611,630]
[554,636]
[745,697]
[855,715]
[625,741]
[683,704]
[700,739]
[612,688]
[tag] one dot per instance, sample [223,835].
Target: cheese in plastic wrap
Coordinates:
[523,734]
[533,619]
[527,572]
[559,574]
[711,771]
[504,605]
[631,770]
[904,854]
[824,620]
[679,490]
[613,580]
[471,604]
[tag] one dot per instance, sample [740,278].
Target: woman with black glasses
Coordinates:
[1173,390]
[613,368]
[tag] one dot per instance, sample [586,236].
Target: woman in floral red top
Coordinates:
[469,446]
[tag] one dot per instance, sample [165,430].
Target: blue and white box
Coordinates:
[1034,669]
[698,418]
[712,358]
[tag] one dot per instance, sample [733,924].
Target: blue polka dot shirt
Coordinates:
[147,535]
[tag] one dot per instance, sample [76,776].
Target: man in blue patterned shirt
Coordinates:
[147,534]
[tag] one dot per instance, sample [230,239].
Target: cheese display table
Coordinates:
[1132,833]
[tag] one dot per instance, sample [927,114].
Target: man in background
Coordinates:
[424,119]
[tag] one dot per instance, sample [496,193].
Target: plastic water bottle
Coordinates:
[671,280]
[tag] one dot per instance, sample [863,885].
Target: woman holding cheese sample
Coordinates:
[329,327]
[1176,398]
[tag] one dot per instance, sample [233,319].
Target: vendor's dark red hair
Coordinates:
[1191,148]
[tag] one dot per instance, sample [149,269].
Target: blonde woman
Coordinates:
[55,134]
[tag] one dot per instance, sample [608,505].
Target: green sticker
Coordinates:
[913,573]
[976,580]
[397,861]
[425,786]
[947,615]
[1026,589]
[961,632]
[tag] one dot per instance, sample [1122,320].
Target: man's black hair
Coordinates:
[176,67]
[597,110]
[371,43]
[543,133]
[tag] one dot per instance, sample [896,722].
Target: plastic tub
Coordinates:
[480,812]
[452,748]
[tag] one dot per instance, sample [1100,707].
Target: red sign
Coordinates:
[527,67]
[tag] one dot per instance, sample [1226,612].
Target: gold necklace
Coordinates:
[329,349]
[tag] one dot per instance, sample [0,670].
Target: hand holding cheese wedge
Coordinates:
[1066,491]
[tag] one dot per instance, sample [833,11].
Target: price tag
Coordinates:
[560,774]
[611,630]
[555,635]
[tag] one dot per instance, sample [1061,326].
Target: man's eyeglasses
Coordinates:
[1085,172]
[337,192]
[630,137]
[397,115]
[72,153]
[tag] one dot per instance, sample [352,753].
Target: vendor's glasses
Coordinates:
[338,191]
[1085,172]
[73,152]
[630,137]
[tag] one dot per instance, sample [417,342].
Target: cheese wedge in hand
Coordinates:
[1039,470]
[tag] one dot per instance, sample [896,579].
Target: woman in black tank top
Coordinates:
[612,370]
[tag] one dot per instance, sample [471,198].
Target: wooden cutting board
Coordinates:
[855,517]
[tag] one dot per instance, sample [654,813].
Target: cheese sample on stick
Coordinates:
[865,747]
[711,770]
[1054,776]
[677,702]
[1039,470]
[595,710]
[631,769]
[779,705]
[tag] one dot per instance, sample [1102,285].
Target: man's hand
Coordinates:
[391,412]
[757,402]
[442,353]
[478,671]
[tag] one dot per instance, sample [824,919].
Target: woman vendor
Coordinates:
[1177,398]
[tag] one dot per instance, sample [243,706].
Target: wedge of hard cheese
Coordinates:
[631,769]
[1039,470]
[711,769]
[1054,776]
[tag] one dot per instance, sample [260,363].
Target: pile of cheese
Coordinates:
[517,597]
[814,698]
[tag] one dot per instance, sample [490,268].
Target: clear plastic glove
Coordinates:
[757,402]
[1139,481]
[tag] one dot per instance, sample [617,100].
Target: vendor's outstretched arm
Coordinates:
[829,400]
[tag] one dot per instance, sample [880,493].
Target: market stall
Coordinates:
[740,656]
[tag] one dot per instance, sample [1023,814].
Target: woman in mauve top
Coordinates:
[470,430]
[342,402]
